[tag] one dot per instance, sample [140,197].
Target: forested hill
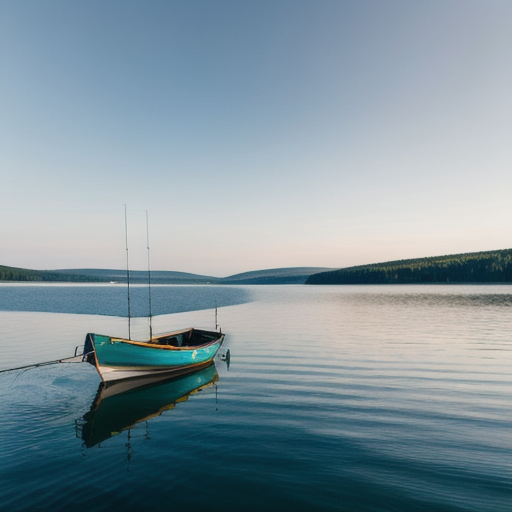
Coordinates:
[24,274]
[294,275]
[100,276]
[479,267]
[476,267]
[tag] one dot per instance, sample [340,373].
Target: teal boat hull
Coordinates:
[168,354]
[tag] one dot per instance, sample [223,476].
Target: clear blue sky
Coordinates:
[257,133]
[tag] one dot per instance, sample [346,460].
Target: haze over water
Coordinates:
[337,398]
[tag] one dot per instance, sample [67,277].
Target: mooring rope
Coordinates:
[35,365]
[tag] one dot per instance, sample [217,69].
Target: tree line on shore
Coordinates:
[478,267]
[23,274]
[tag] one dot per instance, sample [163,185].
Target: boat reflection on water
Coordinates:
[119,406]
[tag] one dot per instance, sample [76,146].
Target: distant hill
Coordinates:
[141,276]
[476,267]
[23,274]
[293,275]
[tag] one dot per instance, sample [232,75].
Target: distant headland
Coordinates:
[477,267]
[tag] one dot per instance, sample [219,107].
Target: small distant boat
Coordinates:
[170,354]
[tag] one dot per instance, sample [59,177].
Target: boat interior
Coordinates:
[188,338]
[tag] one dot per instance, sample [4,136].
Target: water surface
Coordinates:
[337,398]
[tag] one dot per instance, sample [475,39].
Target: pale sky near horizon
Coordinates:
[257,133]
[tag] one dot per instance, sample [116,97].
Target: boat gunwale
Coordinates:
[152,345]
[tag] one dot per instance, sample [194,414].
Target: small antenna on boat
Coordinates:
[216,323]
[149,280]
[127,272]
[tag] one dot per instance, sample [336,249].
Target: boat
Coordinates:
[119,406]
[168,354]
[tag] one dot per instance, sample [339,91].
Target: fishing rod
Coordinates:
[127,272]
[149,280]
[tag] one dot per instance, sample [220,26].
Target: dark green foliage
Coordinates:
[23,274]
[477,267]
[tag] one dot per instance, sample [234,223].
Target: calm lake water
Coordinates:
[336,398]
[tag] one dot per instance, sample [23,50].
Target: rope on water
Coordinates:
[46,363]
